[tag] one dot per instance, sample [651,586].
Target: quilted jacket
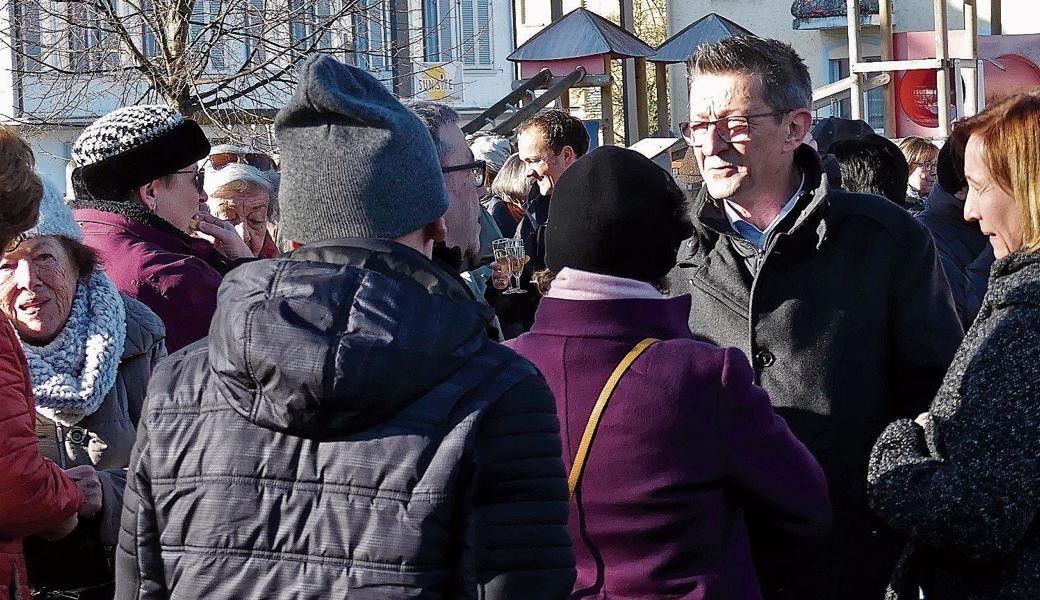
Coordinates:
[347,431]
[35,495]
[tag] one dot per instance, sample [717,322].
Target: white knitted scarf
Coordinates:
[72,375]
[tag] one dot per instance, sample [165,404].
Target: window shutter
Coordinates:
[218,47]
[468,15]
[31,35]
[484,33]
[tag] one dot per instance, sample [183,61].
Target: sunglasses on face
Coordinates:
[198,178]
[259,160]
[13,244]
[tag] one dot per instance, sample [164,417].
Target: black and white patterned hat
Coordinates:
[131,146]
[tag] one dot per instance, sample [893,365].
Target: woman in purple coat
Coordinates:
[687,443]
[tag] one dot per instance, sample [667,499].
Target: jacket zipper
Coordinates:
[61,446]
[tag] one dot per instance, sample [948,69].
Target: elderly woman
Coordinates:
[36,498]
[665,464]
[243,196]
[962,481]
[90,353]
[920,155]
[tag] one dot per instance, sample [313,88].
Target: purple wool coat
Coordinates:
[175,279]
[685,445]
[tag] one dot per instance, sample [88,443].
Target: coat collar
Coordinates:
[165,240]
[628,318]
[809,215]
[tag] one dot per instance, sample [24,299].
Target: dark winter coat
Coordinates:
[35,496]
[964,488]
[849,323]
[347,431]
[685,444]
[175,276]
[964,251]
[104,440]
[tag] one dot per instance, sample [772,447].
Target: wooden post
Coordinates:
[889,90]
[970,73]
[663,120]
[852,16]
[996,26]
[606,99]
[942,80]
[642,107]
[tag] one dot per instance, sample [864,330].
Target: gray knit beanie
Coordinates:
[355,162]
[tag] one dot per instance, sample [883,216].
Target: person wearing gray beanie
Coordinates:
[355,162]
[349,399]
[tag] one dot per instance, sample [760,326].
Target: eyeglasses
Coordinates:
[259,160]
[478,167]
[733,129]
[199,178]
[928,167]
[17,241]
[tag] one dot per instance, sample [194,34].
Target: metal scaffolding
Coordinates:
[855,85]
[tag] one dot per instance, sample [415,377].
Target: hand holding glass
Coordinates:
[510,257]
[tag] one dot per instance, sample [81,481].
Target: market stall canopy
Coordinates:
[581,33]
[706,30]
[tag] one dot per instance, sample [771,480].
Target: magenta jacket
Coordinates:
[176,279]
[686,444]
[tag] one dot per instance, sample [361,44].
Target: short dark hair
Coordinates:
[83,257]
[872,165]
[782,73]
[559,129]
[949,166]
[20,187]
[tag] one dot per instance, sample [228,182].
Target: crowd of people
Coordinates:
[813,376]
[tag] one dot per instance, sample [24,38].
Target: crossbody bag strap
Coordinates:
[574,477]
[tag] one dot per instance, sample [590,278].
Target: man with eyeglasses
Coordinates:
[466,249]
[837,298]
[138,193]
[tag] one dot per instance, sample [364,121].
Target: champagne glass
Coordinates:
[509,256]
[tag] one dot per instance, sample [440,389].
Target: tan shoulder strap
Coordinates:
[597,411]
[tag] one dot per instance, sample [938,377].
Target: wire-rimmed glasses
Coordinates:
[732,129]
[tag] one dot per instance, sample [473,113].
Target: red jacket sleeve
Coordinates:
[35,495]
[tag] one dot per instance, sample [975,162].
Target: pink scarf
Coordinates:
[573,284]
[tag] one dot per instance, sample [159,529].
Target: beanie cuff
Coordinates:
[171,151]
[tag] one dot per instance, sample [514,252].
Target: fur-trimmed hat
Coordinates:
[131,146]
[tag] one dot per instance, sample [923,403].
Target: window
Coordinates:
[372,38]
[476,33]
[90,47]
[309,26]
[253,49]
[874,100]
[29,31]
[208,31]
[148,42]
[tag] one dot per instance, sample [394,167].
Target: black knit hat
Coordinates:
[131,146]
[615,212]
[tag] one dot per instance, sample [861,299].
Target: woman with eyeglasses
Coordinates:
[90,352]
[138,197]
[36,497]
[920,155]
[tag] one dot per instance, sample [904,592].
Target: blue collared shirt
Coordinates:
[751,233]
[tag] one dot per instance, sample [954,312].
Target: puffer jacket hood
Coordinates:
[339,335]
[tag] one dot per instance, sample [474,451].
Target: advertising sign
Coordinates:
[438,82]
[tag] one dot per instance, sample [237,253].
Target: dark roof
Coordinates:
[814,9]
[581,33]
[706,30]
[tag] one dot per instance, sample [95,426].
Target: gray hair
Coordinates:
[512,183]
[434,115]
[781,72]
